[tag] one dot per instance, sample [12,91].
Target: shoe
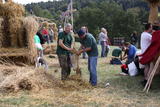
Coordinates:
[144,82]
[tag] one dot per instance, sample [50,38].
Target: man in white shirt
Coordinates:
[146,38]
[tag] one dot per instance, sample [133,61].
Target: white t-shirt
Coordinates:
[145,41]
[103,37]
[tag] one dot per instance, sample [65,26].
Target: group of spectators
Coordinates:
[148,54]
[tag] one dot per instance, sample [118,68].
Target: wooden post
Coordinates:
[149,82]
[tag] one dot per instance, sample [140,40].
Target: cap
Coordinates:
[81,32]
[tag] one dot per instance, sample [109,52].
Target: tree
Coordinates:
[111,16]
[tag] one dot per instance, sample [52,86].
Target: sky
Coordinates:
[29,1]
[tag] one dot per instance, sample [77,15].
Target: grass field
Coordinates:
[124,91]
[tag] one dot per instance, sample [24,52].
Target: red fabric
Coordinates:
[45,32]
[153,50]
[124,66]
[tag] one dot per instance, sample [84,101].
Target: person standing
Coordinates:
[103,41]
[51,35]
[146,39]
[64,44]
[90,47]
[84,28]
[134,38]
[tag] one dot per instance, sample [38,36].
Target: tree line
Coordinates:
[120,17]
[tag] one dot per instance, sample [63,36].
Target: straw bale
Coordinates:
[50,49]
[11,9]
[8,0]
[55,35]
[52,25]
[16,37]
[45,24]
[55,29]
[31,27]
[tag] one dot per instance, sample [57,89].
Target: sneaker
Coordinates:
[144,82]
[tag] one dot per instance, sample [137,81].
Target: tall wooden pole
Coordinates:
[72,13]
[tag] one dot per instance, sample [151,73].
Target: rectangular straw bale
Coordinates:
[31,27]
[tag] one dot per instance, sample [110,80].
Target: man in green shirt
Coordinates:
[116,56]
[89,45]
[117,52]
[63,51]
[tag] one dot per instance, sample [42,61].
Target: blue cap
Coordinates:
[81,32]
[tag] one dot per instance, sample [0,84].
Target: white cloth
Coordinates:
[145,41]
[103,37]
[133,71]
[38,46]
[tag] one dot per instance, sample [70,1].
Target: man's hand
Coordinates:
[79,52]
[70,49]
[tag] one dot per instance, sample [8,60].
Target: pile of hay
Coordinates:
[14,79]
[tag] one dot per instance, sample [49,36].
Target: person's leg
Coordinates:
[103,49]
[93,70]
[89,69]
[146,70]
[64,66]
[69,64]
[107,50]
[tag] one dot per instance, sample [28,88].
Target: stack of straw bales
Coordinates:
[12,14]
[17,32]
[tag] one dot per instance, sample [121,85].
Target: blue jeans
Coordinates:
[103,51]
[92,67]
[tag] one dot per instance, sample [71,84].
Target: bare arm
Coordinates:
[60,43]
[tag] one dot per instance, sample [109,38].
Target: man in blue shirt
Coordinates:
[90,47]
[131,52]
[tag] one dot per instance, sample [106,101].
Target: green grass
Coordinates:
[124,91]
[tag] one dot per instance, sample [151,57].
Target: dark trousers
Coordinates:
[65,64]
[103,48]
